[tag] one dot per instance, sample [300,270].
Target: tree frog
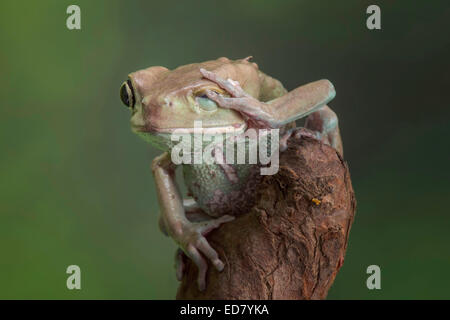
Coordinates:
[226,95]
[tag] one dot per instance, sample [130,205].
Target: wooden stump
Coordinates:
[291,244]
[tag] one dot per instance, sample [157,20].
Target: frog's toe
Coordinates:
[179,264]
[204,246]
[209,225]
[231,86]
[201,264]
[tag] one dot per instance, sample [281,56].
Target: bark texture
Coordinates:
[291,244]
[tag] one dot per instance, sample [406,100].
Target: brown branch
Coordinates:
[293,241]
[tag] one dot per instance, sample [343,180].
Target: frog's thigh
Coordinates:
[325,122]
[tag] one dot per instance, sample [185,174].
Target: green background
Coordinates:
[75,183]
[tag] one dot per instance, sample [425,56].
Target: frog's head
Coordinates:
[163,100]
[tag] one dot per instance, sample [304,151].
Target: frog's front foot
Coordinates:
[239,100]
[194,244]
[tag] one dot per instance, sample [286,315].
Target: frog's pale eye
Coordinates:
[206,103]
[127,94]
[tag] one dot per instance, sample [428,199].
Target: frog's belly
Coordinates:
[216,194]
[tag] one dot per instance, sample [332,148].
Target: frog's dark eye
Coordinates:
[127,94]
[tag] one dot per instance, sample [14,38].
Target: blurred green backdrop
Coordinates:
[75,182]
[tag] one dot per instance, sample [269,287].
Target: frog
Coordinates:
[226,96]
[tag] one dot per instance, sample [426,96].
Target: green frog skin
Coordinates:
[226,96]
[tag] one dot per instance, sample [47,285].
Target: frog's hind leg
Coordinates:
[324,123]
[296,132]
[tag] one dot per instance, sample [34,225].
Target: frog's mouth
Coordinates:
[233,129]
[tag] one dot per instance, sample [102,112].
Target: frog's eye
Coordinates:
[127,94]
[206,103]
